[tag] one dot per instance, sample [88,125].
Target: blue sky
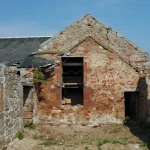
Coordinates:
[131,18]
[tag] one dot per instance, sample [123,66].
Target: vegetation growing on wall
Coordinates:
[38,76]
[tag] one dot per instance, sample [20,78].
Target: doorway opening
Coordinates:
[131,104]
[72,78]
[26,93]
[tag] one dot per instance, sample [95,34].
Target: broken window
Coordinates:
[72,75]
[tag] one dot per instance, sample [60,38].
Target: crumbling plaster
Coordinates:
[112,64]
[106,77]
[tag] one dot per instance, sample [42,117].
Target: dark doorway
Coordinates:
[131,101]
[26,92]
[72,75]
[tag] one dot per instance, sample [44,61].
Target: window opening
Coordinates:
[72,75]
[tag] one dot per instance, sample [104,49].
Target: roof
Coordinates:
[32,61]
[88,26]
[17,49]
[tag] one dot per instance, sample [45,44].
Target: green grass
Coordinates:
[48,142]
[38,137]
[123,141]
[29,125]
[87,142]
[20,135]
[143,145]
[45,141]
[86,148]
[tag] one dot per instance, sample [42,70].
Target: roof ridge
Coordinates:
[16,37]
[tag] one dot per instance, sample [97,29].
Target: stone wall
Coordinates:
[11,105]
[30,100]
[112,66]
[148,97]
[88,26]
[106,77]
[30,104]
[147,89]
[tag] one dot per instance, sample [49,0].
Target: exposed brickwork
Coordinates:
[50,92]
[106,77]
[88,26]
[111,66]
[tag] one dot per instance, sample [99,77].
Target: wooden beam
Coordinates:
[72,64]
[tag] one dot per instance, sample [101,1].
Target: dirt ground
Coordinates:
[76,137]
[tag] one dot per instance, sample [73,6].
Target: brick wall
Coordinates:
[112,65]
[106,77]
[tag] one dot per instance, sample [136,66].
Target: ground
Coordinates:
[77,137]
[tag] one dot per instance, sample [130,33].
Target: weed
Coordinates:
[48,142]
[38,76]
[38,137]
[86,148]
[123,141]
[115,131]
[102,142]
[20,135]
[29,125]
[143,145]
[88,142]
[126,120]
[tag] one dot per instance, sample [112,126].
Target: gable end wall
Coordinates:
[106,77]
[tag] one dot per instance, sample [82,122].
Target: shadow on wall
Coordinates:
[140,128]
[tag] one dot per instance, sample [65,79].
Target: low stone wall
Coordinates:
[11,105]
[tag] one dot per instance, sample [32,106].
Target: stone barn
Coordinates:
[99,77]
[92,75]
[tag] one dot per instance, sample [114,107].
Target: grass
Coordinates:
[115,130]
[48,142]
[20,135]
[123,141]
[86,148]
[143,145]
[29,125]
[121,134]
[87,142]
[44,140]
[38,137]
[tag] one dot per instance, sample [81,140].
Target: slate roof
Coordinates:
[17,49]
[32,61]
